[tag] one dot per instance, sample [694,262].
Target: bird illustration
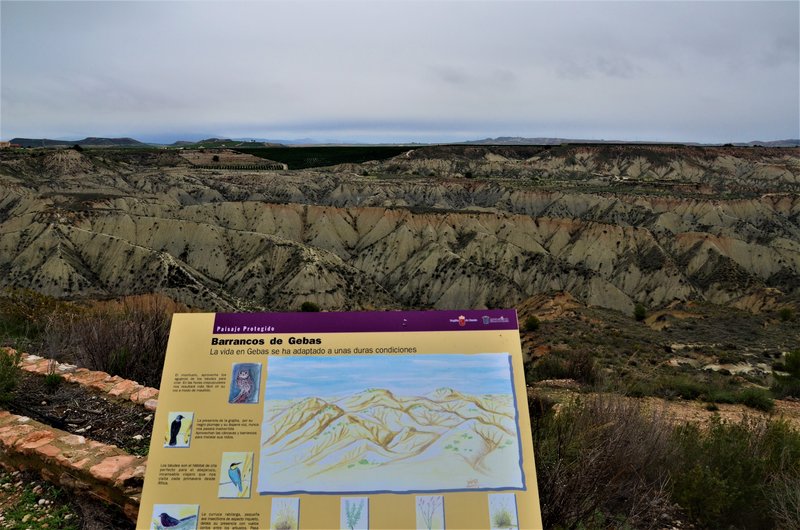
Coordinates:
[236,475]
[244,382]
[167,521]
[174,429]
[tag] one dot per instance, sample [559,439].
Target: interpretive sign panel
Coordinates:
[397,419]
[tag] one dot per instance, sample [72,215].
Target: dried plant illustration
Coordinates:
[430,510]
[284,515]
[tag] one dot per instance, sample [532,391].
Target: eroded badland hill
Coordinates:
[435,227]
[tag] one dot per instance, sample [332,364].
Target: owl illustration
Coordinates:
[244,384]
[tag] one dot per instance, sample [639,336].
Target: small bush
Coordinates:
[578,365]
[127,338]
[309,307]
[639,312]
[756,398]
[792,363]
[788,385]
[784,500]
[532,323]
[25,313]
[728,475]
[52,381]
[786,314]
[603,456]
[10,374]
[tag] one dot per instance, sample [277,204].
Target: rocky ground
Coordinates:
[30,503]
[74,409]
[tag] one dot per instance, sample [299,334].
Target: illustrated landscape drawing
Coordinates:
[410,423]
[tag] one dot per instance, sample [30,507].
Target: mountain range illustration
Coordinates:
[316,443]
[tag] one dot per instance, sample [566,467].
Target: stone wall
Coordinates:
[83,465]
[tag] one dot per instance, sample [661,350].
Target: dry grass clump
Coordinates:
[603,457]
[126,337]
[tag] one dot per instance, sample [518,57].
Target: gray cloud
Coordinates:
[707,71]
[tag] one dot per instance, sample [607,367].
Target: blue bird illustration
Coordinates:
[174,429]
[244,383]
[167,521]
[236,475]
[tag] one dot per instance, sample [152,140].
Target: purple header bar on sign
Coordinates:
[372,321]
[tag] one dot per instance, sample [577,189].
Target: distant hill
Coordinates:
[519,140]
[212,143]
[90,141]
[775,143]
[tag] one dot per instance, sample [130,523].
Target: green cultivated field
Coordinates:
[306,157]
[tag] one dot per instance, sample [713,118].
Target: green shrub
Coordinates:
[532,323]
[309,307]
[610,463]
[788,385]
[577,364]
[726,476]
[548,367]
[52,381]
[756,398]
[792,363]
[10,374]
[669,387]
[639,312]
[25,313]
[786,314]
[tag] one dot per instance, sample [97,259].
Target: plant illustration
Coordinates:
[503,517]
[427,508]
[353,512]
[285,519]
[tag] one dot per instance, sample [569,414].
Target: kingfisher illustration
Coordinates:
[244,382]
[236,475]
[167,521]
[174,429]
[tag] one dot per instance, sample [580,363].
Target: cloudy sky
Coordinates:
[399,71]
[294,377]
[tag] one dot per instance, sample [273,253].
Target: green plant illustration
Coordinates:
[501,513]
[353,512]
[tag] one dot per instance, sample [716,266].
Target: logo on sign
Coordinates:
[486,320]
[462,320]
